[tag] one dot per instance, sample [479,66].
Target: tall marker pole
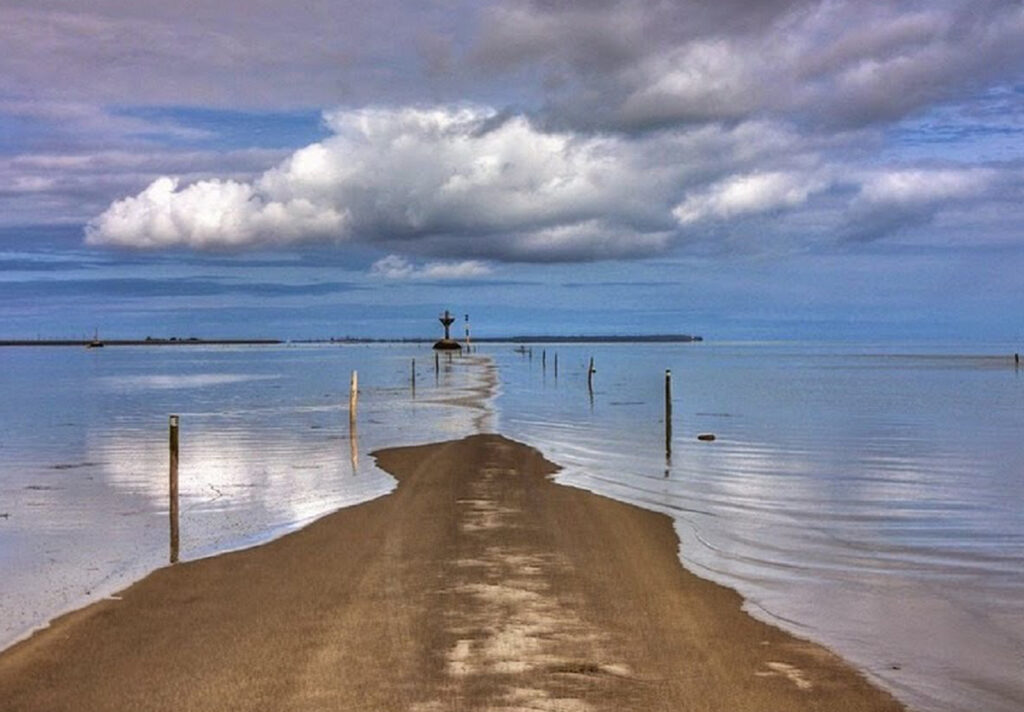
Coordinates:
[668,413]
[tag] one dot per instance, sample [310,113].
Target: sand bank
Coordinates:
[477,585]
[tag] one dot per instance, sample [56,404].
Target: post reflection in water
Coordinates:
[353,445]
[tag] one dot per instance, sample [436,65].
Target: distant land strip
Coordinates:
[134,342]
[585,339]
[193,341]
[644,338]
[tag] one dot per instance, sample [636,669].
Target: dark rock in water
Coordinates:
[706,437]
[447,345]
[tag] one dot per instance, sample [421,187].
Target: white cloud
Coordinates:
[398,267]
[464,183]
[894,201]
[701,80]
[748,194]
[210,213]
[393,267]
[450,174]
[924,186]
[465,269]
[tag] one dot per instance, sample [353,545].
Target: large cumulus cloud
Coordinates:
[462,179]
[470,183]
[218,213]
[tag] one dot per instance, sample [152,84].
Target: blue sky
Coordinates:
[782,169]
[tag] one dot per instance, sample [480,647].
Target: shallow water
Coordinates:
[265,448]
[863,496]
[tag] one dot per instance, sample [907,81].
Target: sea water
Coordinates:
[265,447]
[864,496]
[869,497]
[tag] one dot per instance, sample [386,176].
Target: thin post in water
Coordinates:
[668,412]
[544,360]
[173,509]
[414,375]
[353,396]
[590,375]
[556,364]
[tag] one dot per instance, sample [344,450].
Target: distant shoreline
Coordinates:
[135,342]
[592,339]
[583,339]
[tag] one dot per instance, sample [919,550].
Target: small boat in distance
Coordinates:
[95,343]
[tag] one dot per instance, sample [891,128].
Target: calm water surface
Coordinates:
[867,497]
[265,448]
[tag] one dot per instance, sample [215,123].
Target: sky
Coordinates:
[735,169]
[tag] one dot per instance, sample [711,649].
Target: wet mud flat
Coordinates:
[478,584]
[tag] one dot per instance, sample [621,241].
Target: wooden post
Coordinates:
[590,374]
[353,397]
[668,413]
[556,364]
[173,423]
[414,375]
[437,363]
[544,360]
